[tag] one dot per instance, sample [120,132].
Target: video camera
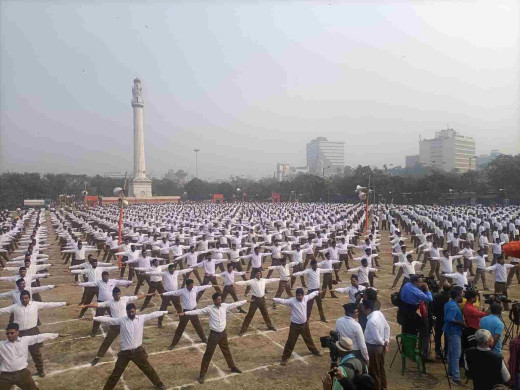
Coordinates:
[433,285]
[330,343]
[491,298]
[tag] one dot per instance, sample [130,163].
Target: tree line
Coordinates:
[499,180]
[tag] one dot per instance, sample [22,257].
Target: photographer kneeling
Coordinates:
[351,372]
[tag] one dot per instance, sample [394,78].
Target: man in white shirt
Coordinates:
[377,337]
[188,296]
[25,314]
[229,284]
[105,287]
[116,306]
[132,327]
[500,270]
[348,327]
[257,301]
[313,279]
[480,272]
[13,358]
[217,335]
[299,325]
[353,290]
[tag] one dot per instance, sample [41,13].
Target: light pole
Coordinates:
[505,193]
[196,163]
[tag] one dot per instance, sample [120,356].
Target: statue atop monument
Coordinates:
[137,92]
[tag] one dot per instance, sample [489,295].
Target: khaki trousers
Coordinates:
[319,302]
[256,303]
[480,274]
[140,359]
[295,331]
[34,349]
[183,321]
[214,339]
[376,365]
[22,379]
[113,332]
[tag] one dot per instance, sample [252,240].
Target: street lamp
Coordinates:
[505,192]
[196,163]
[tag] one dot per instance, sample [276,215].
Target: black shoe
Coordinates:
[94,361]
[272,328]
[240,334]
[236,370]
[317,353]
[41,374]
[171,347]
[242,311]
[201,379]
[159,325]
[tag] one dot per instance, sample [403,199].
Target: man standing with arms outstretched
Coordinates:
[257,301]
[132,327]
[299,325]
[217,335]
[13,358]
[313,280]
[188,296]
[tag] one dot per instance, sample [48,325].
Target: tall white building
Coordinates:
[325,157]
[286,171]
[448,151]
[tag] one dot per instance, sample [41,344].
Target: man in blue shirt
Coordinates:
[453,330]
[494,324]
[412,294]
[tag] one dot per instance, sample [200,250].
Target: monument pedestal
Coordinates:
[141,187]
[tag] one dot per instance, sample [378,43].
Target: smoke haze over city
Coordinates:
[251,83]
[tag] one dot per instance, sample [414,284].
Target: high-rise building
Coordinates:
[325,157]
[411,161]
[485,159]
[287,172]
[448,151]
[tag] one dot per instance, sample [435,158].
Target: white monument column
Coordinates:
[141,186]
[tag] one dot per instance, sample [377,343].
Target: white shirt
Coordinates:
[217,314]
[118,308]
[459,279]
[13,356]
[298,309]
[362,273]
[408,268]
[131,330]
[188,297]
[283,270]
[105,289]
[351,291]
[229,277]
[349,327]
[377,330]
[170,280]
[500,271]
[313,277]
[27,316]
[15,294]
[257,285]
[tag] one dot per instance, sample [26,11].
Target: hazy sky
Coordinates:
[249,83]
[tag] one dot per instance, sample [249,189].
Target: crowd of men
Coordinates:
[178,251]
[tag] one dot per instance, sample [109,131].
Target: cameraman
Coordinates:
[439,300]
[412,294]
[348,327]
[344,375]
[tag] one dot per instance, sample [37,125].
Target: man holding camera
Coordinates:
[414,294]
[452,328]
[344,376]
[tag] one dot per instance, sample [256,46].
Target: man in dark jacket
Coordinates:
[439,300]
[485,367]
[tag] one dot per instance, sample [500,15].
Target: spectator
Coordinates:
[349,366]
[453,331]
[377,337]
[369,295]
[514,362]
[472,317]
[494,324]
[485,367]
[348,327]
[439,300]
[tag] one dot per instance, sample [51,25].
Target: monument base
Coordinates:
[141,188]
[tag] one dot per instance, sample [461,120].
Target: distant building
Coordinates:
[285,171]
[411,161]
[485,159]
[448,151]
[325,157]
[114,175]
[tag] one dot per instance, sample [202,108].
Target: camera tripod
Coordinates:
[513,329]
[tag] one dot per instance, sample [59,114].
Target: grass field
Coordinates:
[257,354]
